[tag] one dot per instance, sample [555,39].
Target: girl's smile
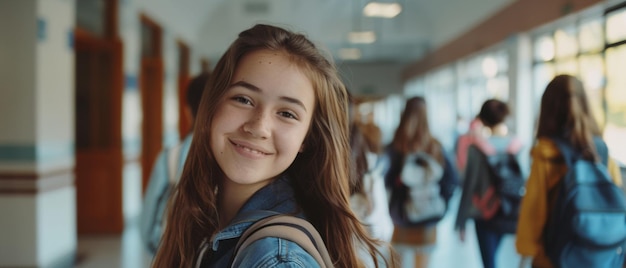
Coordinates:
[249,150]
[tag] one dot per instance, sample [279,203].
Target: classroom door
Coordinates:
[98,83]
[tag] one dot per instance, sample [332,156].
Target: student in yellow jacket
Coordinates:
[564,113]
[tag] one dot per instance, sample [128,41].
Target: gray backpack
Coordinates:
[421,174]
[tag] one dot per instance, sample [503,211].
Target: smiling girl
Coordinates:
[271,135]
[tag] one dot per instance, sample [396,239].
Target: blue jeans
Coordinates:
[488,242]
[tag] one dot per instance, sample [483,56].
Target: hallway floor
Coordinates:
[126,251]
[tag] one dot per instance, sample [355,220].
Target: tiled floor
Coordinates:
[127,252]
[123,251]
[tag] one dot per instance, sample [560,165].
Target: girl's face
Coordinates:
[261,121]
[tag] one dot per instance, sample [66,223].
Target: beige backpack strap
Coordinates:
[287,227]
[173,158]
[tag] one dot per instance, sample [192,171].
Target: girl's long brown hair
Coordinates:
[320,173]
[359,148]
[565,114]
[413,132]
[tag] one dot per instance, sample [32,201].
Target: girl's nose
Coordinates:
[258,126]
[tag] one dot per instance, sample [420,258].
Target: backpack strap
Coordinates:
[569,155]
[287,227]
[173,158]
[514,146]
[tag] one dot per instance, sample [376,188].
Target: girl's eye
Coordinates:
[287,115]
[242,100]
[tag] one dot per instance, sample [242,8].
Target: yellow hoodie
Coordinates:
[545,173]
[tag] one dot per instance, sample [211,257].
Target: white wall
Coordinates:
[17,229]
[17,64]
[54,86]
[129,30]
[56,226]
[170,88]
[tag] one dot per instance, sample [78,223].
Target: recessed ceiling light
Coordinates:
[382,10]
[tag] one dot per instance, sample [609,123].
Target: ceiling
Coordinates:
[209,26]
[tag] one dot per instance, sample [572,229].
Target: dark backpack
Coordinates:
[500,204]
[587,226]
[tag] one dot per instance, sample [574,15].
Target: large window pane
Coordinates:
[464,104]
[442,115]
[591,36]
[544,48]
[542,75]
[615,26]
[498,87]
[479,96]
[569,66]
[592,76]
[566,42]
[615,130]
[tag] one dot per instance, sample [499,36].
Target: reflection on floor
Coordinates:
[113,251]
[127,252]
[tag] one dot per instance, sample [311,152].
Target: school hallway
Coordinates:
[93,90]
[126,251]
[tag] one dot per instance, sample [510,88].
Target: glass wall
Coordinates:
[615,95]
[482,77]
[575,50]
[591,47]
[456,92]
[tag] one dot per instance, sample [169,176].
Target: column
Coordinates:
[37,193]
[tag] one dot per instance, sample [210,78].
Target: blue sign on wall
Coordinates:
[41,29]
[70,39]
[131,82]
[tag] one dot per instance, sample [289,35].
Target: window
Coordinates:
[591,36]
[615,30]
[566,43]
[592,76]
[615,129]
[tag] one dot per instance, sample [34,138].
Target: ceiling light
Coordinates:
[350,53]
[364,37]
[382,10]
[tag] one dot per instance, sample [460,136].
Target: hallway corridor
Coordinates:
[127,251]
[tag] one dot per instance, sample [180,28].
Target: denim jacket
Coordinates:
[278,196]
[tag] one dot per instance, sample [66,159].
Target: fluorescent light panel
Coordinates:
[382,10]
[365,37]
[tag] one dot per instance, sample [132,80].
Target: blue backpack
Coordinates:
[587,226]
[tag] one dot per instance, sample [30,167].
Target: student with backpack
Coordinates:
[166,172]
[271,138]
[568,151]
[368,198]
[421,179]
[493,182]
